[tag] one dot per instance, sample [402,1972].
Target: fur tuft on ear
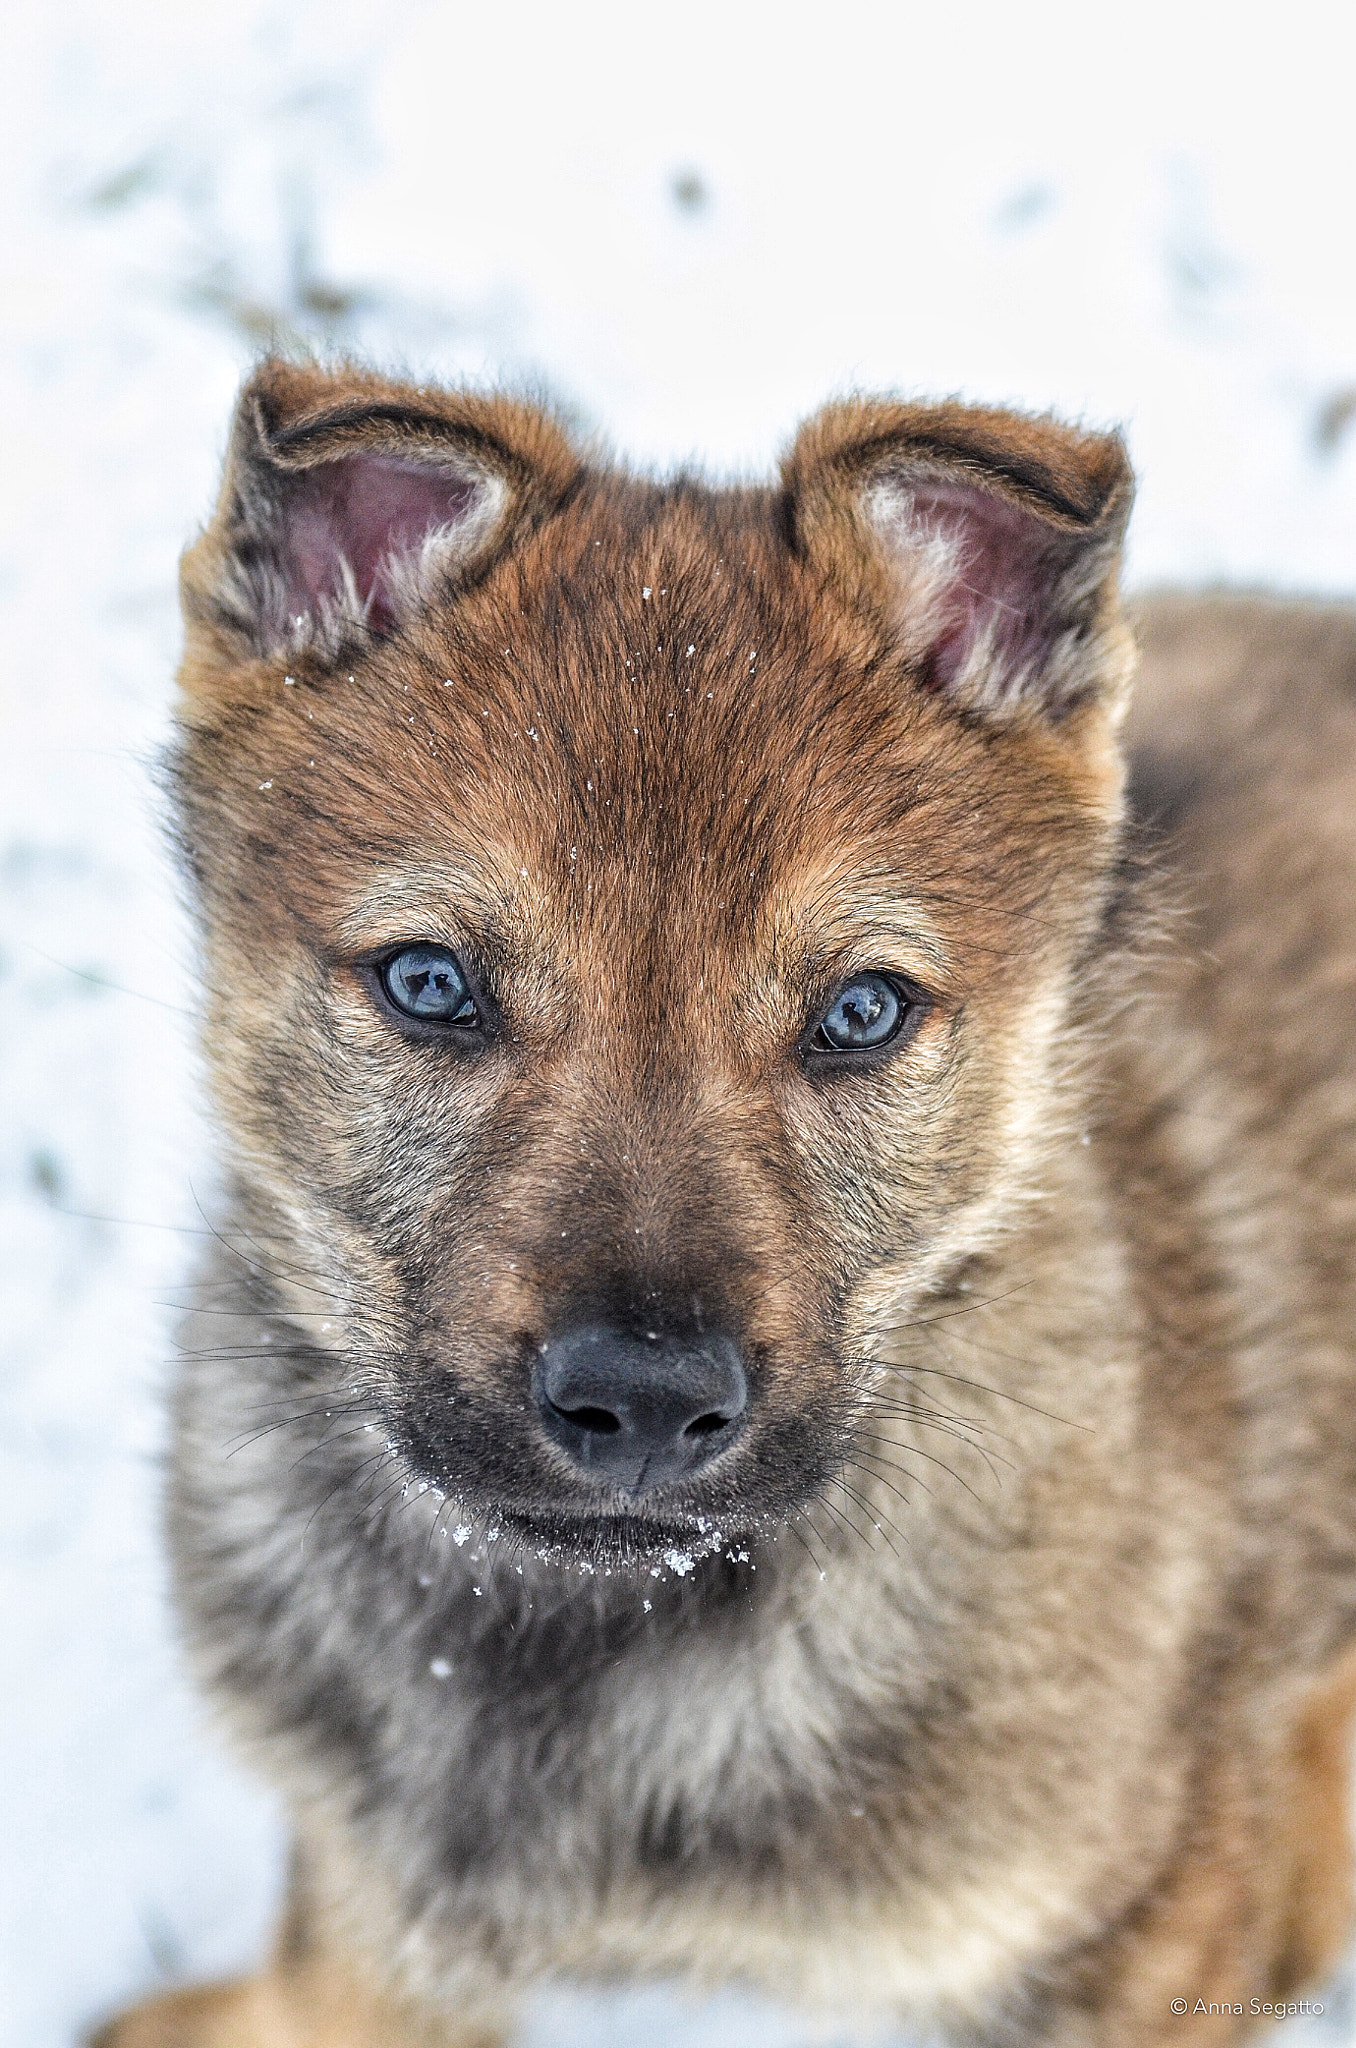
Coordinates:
[990,540]
[349,501]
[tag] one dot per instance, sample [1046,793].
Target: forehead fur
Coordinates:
[656,704]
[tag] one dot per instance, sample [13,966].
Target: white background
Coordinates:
[691,223]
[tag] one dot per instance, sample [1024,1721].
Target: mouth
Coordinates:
[624,1543]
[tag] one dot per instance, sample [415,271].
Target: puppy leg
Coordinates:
[208,2016]
[312,1995]
[274,2011]
[1255,1908]
[1314,1845]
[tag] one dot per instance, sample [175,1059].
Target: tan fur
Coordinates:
[283,2009]
[1013,1696]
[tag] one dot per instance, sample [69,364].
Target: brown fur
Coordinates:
[999,1675]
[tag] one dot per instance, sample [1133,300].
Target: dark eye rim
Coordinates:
[821,1058]
[469,1037]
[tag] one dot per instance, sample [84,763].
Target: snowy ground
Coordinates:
[692,224]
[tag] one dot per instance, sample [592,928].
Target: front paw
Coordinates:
[207,2016]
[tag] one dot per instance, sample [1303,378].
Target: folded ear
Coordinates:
[348,501]
[990,541]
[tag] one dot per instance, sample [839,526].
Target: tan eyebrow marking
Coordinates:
[839,907]
[440,896]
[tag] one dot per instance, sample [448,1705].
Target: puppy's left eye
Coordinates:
[427,982]
[868,1013]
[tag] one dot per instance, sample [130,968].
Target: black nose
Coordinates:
[636,1412]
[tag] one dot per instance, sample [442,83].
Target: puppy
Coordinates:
[774,1400]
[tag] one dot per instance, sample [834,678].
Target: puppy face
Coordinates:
[638,919]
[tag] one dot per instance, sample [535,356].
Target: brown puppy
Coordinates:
[784,1326]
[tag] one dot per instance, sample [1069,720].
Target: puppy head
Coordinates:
[640,921]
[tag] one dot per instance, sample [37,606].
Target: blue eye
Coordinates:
[427,982]
[867,1013]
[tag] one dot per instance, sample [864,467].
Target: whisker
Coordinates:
[925,1404]
[842,1515]
[949,1315]
[1015,1358]
[245,1438]
[914,1451]
[373,1511]
[261,1349]
[870,1457]
[128,1222]
[345,1479]
[273,1272]
[102,981]
[971,1437]
[443,1507]
[934,1371]
[869,1510]
[333,1436]
[347,1395]
[958,1427]
[255,1315]
[804,1542]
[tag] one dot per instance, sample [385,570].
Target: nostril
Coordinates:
[707,1425]
[598,1421]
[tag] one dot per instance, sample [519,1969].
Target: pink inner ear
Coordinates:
[361,510]
[1006,564]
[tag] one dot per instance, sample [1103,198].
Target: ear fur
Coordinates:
[990,540]
[349,500]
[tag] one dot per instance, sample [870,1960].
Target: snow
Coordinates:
[691,226]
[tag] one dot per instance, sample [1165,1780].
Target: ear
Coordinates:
[990,541]
[349,501]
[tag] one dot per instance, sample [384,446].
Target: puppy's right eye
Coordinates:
[427,982]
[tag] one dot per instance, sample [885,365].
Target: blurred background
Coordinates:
[690,224]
